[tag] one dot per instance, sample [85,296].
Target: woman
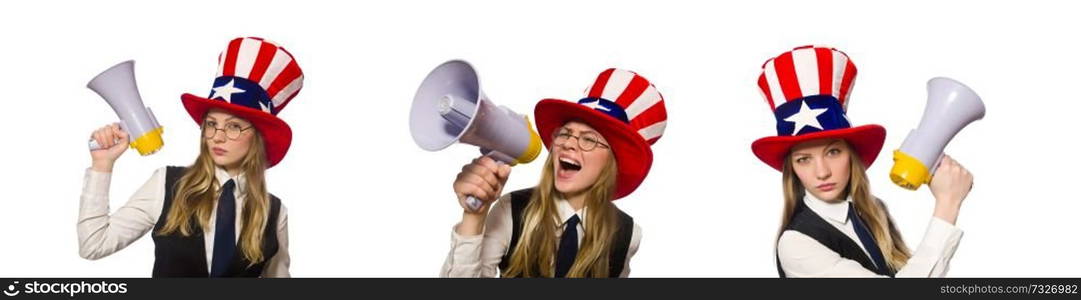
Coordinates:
[832,225]
[566,226]
[214,218]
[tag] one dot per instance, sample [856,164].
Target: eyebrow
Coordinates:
[573,131]
[212,118]
[827,148]
[832,144]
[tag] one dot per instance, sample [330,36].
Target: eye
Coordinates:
[564,134]
[833,152]
[211,124]
[802,160]
[234,126]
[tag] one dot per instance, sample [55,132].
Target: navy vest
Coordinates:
[621,242]
[807,222]
[178,256]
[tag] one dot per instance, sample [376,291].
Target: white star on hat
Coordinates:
[226,91]
[596,105]
[806,116]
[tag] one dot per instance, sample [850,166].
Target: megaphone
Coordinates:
[950,107]
[117,86]
[449,107]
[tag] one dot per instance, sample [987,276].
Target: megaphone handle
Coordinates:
[93,144]
[934,167]
[473,203]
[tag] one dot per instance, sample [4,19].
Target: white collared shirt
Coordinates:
[480,255]
[102,234]
[803,256]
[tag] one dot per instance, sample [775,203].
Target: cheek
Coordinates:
[840,167]
[805,173]
[239,147]
[595,162]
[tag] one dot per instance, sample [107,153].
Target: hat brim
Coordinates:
[866,140]
[633,155]
[277,136]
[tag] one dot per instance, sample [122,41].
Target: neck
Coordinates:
[233,171]
[577,201]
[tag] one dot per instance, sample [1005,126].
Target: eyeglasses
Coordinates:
[586,141]
[232,131]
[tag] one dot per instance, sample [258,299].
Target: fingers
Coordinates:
[469,184]
[109,136]
[104,136]
[484,172]
[118,132]
[488,163]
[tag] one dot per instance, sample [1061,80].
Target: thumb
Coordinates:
[504,171]
[122,135]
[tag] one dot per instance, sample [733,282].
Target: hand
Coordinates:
[113,142]
[483,179]
[950,186]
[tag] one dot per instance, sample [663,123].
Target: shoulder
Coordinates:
[277,202]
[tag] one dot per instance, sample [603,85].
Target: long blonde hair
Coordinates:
[871,210]
[197,190]
[535,253]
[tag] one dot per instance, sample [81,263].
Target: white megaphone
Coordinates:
[950,107]
[450,107]
[117,86]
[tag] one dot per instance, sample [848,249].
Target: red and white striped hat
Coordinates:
[623,107]
[807,89]
[256,79]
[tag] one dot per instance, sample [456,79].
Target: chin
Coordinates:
[831,197]
[568,188]
[222,162]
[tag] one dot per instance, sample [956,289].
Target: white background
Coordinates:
[365,201]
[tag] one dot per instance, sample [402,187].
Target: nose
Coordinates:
[822,171]
[219,136]
[568,144]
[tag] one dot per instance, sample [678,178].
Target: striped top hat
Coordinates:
[623,107]
[807,89]
[256,79]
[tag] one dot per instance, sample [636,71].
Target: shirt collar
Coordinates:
[222,176]
[836,211]
[566,211]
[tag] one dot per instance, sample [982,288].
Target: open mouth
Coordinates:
[569,164]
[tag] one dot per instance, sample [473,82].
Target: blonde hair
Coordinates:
[535,253]
[197,190]
[871,210]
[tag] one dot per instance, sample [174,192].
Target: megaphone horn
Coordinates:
[950,107]
[117,86]
[450,107]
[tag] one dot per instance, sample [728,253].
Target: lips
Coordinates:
[826,187]
[218,151]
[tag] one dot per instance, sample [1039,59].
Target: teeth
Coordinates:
[569,164]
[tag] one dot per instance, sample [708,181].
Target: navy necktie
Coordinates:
[867,239]
[568,247]
[224,231]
